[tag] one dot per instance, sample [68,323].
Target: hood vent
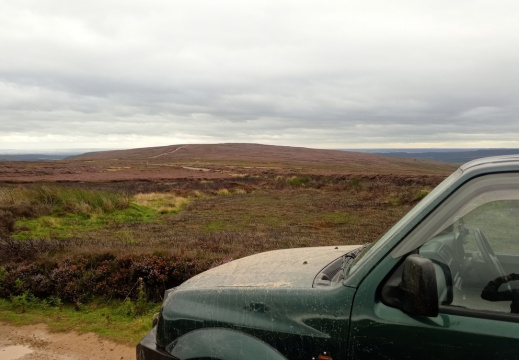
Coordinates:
[331,273]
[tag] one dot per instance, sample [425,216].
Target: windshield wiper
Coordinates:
[349,258]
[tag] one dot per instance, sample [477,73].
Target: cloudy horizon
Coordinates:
[335,74]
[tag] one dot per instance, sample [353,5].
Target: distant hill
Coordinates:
[455,156]
[283,156]
[33,157]
[41,155]
[215,162]
[228,151]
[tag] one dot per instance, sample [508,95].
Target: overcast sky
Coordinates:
[322,74]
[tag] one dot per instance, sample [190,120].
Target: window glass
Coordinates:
[405,221]
[500,220]
[479,243]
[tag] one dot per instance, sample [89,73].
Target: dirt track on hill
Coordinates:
[30,342]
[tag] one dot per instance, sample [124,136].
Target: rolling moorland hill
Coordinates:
[282,156]
[215,161]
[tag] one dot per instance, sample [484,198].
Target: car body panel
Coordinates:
[378,331]
[287,268]
[269,296]
[222,343]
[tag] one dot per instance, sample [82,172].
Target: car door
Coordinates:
[473,240]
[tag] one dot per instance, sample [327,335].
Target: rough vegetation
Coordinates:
[77,244]
[105,231]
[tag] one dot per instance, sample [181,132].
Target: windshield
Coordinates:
[408,221]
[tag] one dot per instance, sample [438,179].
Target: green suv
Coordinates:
[441,284]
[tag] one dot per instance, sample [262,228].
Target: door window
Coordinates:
[479,243]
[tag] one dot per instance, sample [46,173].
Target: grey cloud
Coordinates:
[286,72]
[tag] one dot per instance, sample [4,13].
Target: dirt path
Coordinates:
[170,152]
[32,342]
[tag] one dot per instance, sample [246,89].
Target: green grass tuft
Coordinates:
[298,181]
[421,194]
[65,226]
[115,320]
[216,225]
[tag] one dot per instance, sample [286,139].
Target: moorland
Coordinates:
[104,234]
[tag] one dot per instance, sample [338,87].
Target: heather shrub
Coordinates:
[159,273]
[82,278]
[64,279]
[6,223]
[14,250]
[3,275]
[18,279]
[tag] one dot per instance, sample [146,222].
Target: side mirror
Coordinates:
[418,289]
[413,288]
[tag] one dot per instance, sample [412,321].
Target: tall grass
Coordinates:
[63,199]
[162,202]
[47,212]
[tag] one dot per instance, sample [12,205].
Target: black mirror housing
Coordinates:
[418,289]
[413,287]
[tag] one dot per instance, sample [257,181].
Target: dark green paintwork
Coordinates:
[222,343]
[381,332]
[299,323]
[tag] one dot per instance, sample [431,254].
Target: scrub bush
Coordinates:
[14,250]
[6,223]
[83,278]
